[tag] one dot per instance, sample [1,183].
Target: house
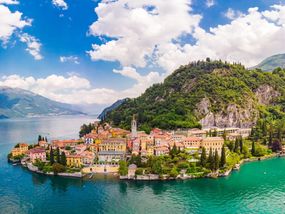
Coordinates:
[37,154]
[20,150]
[216,143]
[90,138]
[197,133]
[65,143]
[112,149]
[80,148]
[192,142]
[88,157]
[177,138]
[111,156]
[161,150]
[74,161]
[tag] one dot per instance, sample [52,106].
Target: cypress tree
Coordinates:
[203,158]
[216,160]
[58,155]
[241,145]
[253,148]
[223,157]
[39,138]
[51,157]
[236,148]
[63,159]
[211,160]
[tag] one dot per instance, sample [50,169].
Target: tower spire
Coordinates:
[134,127]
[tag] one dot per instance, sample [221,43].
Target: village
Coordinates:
[125,153]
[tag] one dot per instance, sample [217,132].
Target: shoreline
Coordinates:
[149,177]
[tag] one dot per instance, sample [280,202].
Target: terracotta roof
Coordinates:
[36,150]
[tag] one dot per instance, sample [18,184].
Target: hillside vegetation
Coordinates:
[208,93]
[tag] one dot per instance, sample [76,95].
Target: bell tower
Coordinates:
[134,127]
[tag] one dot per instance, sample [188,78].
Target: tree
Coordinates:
[123,168]
[51,156]
[223,157]
[216,160]
[211,160]
[240,145]
[39,138]
[173,151]
[236,148]
[57,155]
[174,173]
[203,158]
[156,167]
[136,159]
[63,159]
[253,148]
[46,139]
[276,145]
[58,168]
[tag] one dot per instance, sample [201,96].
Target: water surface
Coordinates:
[259,187]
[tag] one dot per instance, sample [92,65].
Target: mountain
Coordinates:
[115,105]
[16,103]
[206,93]
[270,63]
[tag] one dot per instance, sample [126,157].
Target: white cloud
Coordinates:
[78,90]
[10,22]
[73,59]
[139,28]
[61,4]
[9,2]
[33,45]
[210,3]
[233,14]
[143,32]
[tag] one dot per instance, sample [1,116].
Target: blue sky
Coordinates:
[135,46]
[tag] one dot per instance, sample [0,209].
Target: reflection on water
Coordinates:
[249,190]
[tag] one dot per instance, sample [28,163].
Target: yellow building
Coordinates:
[113,144]
[74,161]
[216,143]
[20,150]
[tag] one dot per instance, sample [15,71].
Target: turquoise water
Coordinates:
[259,187]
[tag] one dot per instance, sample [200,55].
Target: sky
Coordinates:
[96,52]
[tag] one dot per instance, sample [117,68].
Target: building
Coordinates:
[74,161]
[197,133]
[134,127]
[65,143]
[112,149]
[161,150]
[80,148]
[111,156]
[216,143]
[88,157]
[37,154]
[20,150]
[192,142]
[90,138]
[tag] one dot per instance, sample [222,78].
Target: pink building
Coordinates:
[37,153]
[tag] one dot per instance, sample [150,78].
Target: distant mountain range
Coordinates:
[272,62]
[17,103]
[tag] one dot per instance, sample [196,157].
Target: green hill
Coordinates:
[15,103]
[270,63]
[206,94]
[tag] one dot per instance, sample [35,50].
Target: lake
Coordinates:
[259,187]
